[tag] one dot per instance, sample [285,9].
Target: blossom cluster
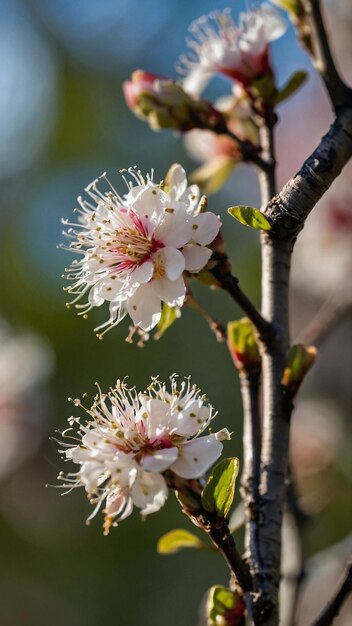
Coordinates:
[135,248]
[131,438]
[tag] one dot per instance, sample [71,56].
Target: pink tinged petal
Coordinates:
[171,260]
[175,228]
[160,460]
[149,492]
[177,180]
[196,257]
[170,291]
[144,307]
[205,227]
[197,456]
[143,273]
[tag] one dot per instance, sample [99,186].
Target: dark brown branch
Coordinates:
[249,152]
[333,608]
[340,94]
[290,208]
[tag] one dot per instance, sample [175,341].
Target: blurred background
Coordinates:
[63,121]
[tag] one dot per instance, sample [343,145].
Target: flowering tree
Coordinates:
[141,250]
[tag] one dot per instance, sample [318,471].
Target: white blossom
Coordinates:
[133,437]
[134,249]
[240,52]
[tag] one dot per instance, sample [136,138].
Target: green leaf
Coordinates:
[219,491]
[168,315]
[291,6]
[242,343]
[249,216]
[176,540]
[295,82]
[223,603]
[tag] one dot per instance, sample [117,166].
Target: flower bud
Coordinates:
[300,360]
[163,103]
[242,344]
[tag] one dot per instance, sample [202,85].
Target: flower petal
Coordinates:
[177,181]
[159,460]
[197,456]
[196,257]
[149,492]
[171,260]
[144,307]
[175,228]
[143,273]
[205,227]
[170,291]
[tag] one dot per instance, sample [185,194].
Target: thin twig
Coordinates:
[249,152]
[340,94]
[333,608]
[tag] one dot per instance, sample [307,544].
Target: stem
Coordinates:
[322,58]
[332,609]
[249,380]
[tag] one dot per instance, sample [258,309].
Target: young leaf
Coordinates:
[295,82]
[168,315]
[219,491]
[175,540]
[249,216]
[223,603]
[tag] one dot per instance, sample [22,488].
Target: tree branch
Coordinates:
[290,208]
[340,94]
[333,608]
[276,256]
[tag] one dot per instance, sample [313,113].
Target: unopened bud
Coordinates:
[242,344]
[300,360]
[163,103]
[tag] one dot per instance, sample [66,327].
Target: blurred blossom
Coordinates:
[28,90]
[322,263]
[219,46]
[220,152]
[26,363]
